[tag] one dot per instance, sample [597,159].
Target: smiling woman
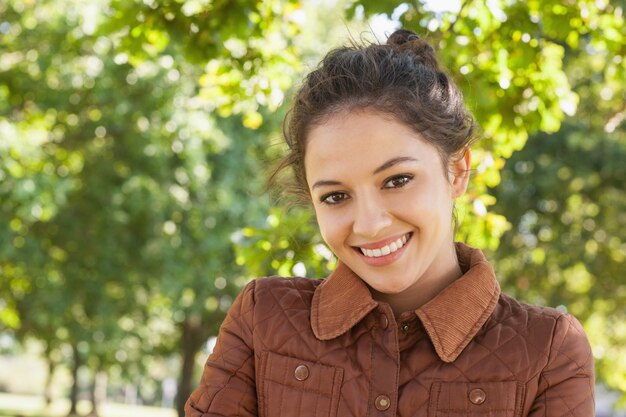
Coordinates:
[394,191]
[410,323]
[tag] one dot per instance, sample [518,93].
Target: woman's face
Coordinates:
[382,200]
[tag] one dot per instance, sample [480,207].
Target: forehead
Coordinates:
[350,142]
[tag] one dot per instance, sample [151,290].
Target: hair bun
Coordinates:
[407,40]
[402,36]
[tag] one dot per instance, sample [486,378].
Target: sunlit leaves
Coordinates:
[284,240]
[245,51]
[8,316]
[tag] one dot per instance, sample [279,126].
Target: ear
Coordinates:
[460,173]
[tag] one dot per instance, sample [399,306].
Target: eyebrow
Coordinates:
[323,183]
[394,161]
[388,164]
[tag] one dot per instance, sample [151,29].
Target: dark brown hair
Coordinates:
[401,78]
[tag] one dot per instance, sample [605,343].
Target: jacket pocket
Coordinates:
[293,387]
[476,399]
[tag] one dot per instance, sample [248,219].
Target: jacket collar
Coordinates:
[451,319]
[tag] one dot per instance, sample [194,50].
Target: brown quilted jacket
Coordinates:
[302,347]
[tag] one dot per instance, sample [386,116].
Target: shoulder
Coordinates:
[277,288]
[547,331]
[527,317]
[279,293]
[511,307]
[280,313]
[276,284]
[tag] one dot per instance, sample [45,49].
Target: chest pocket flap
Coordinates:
[295,387]
[493,399]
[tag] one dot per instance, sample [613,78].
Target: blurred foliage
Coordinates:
[123,177]
[135,136]
[565,198]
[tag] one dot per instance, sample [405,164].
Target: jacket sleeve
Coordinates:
[228,386]
[566,385]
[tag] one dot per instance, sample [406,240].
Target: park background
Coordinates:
[135,137]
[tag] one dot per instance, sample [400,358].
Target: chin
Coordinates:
[389,290]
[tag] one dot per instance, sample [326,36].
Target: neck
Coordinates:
[425,289]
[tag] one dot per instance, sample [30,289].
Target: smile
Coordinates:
[387,249]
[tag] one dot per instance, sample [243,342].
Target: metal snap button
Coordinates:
[404,327]
[477,396]
[382,402]
[301,373]
[384,321]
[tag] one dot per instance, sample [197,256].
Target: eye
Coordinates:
[398,181]
[333,198]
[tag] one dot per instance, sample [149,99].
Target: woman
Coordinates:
[410,323]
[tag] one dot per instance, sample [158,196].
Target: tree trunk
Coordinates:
[92,399]
[192,339]
[74,390]
[48,385]
[130,394]
[98,391]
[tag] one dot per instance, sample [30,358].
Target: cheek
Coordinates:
[332,225]
[425,205]
[322,223]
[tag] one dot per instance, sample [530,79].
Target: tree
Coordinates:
[120,207]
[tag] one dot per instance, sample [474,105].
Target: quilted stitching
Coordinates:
[541,349]
[227,385]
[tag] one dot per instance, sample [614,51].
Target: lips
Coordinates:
[386,249]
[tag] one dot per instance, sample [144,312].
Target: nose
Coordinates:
[371,217]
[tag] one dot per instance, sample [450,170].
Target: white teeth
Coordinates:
[385,250]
